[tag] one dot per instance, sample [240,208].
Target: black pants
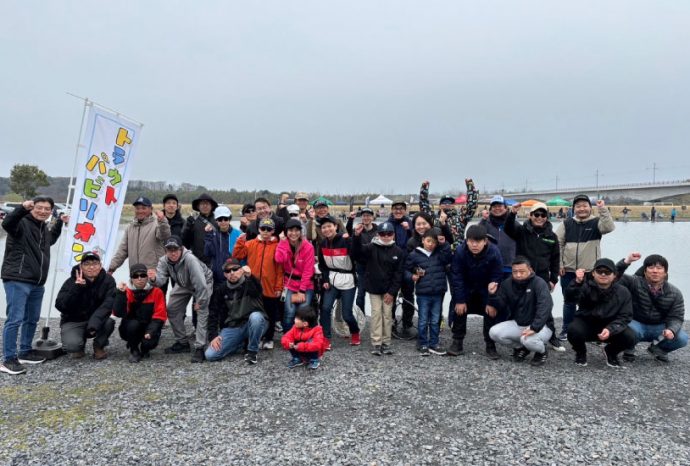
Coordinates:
[407,305]
[476,304]
[272,307]
[582,330]
[133,331]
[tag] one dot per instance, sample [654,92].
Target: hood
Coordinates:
[185,252]
[591,217]
[376,240]
[204,197]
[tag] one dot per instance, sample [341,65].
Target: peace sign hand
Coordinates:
[79,279]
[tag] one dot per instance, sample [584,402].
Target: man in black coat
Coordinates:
[171,208]
[194,230]
[86,302]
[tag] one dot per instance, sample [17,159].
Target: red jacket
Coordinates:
[308,340]
[149,310]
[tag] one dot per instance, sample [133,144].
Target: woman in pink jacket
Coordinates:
[296,255]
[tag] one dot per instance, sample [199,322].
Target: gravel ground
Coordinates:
[355,409]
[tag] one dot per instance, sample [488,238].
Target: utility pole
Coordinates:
[556,182]
[654,173]
[597,177]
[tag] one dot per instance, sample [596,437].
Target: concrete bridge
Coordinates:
[655,192]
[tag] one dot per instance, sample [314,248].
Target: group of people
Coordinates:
[284,270]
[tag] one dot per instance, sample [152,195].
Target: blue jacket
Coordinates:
[434,281]
[218,247]
[401,235]
[472,274]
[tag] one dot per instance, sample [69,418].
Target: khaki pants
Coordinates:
[381,320]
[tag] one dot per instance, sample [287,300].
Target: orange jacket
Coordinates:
[260,258]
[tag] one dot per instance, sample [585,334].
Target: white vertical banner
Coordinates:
[104,163]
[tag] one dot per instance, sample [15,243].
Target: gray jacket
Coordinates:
[189,273]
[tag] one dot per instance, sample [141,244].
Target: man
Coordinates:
[457,220]
[144,238]
[369,231]
[603,314]
[281,208]
[402,225]
[24,272]
[171,207]
[219,243]
[194,230]
[536,241]
[191,278]
[248,216]
[495,225]
[579,239]
[238,307]
[86,302]
[321,211]
[525,300]
[476,264]
[263,211]
[302,201]
[658,308]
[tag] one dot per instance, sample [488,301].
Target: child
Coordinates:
[142,308]
[426,267]
[383,261]
[305,340]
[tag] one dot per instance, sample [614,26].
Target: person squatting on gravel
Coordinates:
[425,269]
[192,279]
[142,309]
[305,340]
[658,308]
[24,272]
[382,260]
[238,306]
[603,314]
[85,302]
[525,300]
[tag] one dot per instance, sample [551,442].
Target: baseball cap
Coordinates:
[497,199]
[232,263]
[605,263]
[174,242]
[386,227]
[267,223]
[582,197]
[293,209]
[321,203]
[137,268]
[145,201]
[366,210]
[293,223]
[90,256]
[222,211]
[301,195]
[538,206]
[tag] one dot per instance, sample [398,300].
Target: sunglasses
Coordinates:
[231,270]
[294,215]
[265,229]
[248,211]
[603,272]
[138,275]
[539,214]
[222,219]
[386,233]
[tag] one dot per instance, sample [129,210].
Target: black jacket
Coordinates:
[611,307]
[382,265]
[667,308]
[92,302]
[434,281]
[176,224]
[194,233]
[232,306]
[539,245]
[527,303]
[27,250]
[495,226]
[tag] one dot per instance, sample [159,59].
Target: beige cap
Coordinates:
[538,205]
[301,196]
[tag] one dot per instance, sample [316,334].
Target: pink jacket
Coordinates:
[301,267]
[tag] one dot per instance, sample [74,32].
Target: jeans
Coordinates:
[650,332]
[568,308]
[429,324]
[232,338]
[347,299]
[23,310]
[291,309]
[361,293]
[305,356]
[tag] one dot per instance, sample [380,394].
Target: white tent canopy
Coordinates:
[381,200]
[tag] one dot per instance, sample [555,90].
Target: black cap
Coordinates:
[204,197]
[582,197]
[137,268]
[170,197]
[476,232]
[605,263]
[399,202]
[328,219]
[447,200]
[293,223]
[366,210]
[386,227]
[320,203]
[174,242]
[90,256]
[248,207]
[232,263]
[145,201]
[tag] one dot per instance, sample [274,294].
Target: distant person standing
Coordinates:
[625,212]
[673,215]
[652,214]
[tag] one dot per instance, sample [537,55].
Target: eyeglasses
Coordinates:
[265,229]
[222,219]
[538,214]
[138,275]
[386,233]
[603,272]
[231,270]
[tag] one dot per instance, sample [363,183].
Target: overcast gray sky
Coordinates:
[353,96]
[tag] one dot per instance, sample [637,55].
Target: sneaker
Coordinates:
[134,356]
[376,350]
[267,345]
[295,362]
[31,357]
[386,349]
[629,356]
[563,336]
[581,359]
[424,350]
[455,348]
[278,327]
[12,367]
[314,364]
[556,344]
[491,352]
[178,347]
[520,354]
[355,340]
[438,350]
[659,354]
[198,356]
[99,353]
[612,359]
[250,357]
[539,359]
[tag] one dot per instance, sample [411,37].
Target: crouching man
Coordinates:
[526,301]
[142,309]
[86,302]
[238,306]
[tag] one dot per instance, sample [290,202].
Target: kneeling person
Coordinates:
[239,307]
[526,300]
[142,309]
[86,302]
